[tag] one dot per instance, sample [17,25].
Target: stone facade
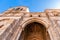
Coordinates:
[18,23]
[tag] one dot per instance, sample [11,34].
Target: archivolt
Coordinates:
[35,20]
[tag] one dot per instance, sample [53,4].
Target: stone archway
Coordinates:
[34,31]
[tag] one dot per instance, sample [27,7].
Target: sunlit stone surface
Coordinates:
[19,24]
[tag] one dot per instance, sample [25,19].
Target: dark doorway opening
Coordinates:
[34,31]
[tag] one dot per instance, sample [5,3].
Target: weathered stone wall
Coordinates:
[13,22]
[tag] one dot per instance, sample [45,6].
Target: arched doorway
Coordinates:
[34,31]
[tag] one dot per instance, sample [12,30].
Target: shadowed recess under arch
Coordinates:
[34,31]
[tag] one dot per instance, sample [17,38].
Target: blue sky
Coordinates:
[33,5]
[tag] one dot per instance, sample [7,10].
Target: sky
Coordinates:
[33,5]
